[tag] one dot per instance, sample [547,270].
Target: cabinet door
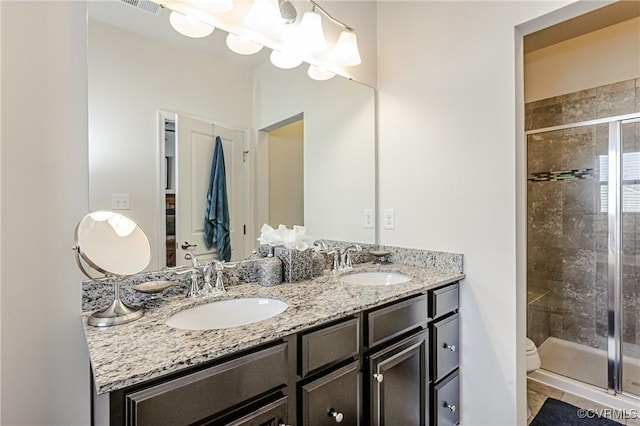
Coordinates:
[333,398]
[397,382]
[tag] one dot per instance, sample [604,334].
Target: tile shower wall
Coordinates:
[567,219]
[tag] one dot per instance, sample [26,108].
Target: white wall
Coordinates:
[131,77]
[602,57]
[447,165]
[339,147]
[45,378]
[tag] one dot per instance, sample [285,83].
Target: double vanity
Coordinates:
[345,349]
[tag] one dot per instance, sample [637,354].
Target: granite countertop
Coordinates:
[134,352]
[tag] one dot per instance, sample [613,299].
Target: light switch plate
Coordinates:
[368,218]
[120,201]
[389,219]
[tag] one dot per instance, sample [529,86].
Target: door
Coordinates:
[195,140]
[397,383]
[629,293]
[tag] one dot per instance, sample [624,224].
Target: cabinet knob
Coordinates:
[379,377]
[450,407]
[336,415]
[452,348]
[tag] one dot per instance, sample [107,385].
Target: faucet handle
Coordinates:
[220,265]
[321,244]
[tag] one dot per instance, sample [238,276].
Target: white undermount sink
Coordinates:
[227,313]
[375,278]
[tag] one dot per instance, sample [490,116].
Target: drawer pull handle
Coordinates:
[452,348]
[282,424]
[336,415]
[450,407]
[379,377]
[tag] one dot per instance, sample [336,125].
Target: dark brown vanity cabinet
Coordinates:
[395,364]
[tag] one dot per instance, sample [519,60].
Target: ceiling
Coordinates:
[600,18]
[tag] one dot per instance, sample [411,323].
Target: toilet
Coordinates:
[533,359]
[533,363]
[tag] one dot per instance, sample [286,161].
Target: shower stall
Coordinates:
[583,235]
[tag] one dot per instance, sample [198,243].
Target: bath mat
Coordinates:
[558,413]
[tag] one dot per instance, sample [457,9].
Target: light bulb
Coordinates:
[283,60]
[319,73]
[242,45]
[345,51]
[310,33]
[264,16]
[189,26]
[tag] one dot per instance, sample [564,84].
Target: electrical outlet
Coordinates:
[368,218]
[120,201]
[389,219]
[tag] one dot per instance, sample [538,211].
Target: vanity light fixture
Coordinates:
[284,60]
[319,73]
[242,45]
[345,52]
[310,32]
[189,26]
[264,16]
[271,23]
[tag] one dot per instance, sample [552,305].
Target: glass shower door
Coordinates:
[630,257]
[567,250]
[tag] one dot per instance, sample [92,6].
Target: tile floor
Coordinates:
[537,393]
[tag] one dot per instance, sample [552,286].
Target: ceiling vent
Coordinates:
[146,5]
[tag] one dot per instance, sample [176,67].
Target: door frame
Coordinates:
[165,114]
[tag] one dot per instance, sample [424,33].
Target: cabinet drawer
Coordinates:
[272,414]
[443,300]
[328,345]
[447,402]
[446,349]
[393,320]
[332,398]
[199,395]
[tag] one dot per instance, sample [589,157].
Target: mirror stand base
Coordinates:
[117,313]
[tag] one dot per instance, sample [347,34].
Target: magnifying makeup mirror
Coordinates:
[115,246]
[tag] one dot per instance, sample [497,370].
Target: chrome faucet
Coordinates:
[345,256]
[342,257]
[219,267]
[207,273]
[336,258]
[194,289]
[194,260]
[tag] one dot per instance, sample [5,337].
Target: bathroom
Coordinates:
[425,89]
[581,266]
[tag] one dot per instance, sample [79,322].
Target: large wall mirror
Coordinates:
[298,151]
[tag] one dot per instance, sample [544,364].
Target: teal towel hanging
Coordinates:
[216,219]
